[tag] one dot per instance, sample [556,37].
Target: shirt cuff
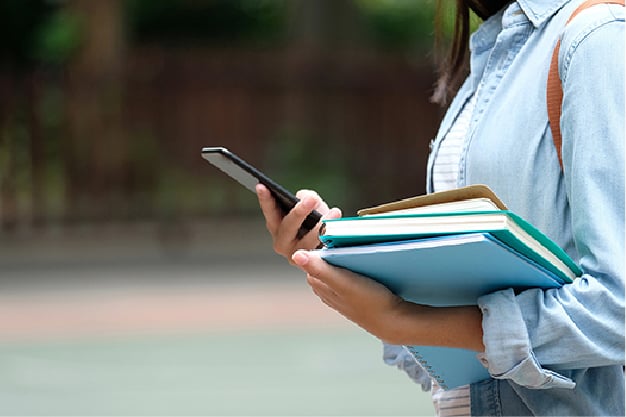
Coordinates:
[400,357]
[508,353]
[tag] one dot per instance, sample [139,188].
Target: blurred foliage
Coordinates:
[394,24]
[38,39]
[402,24]
[300,159]
[399,24]
[19,30]
[35,31]
[59,36]
[46,31]
[206,20]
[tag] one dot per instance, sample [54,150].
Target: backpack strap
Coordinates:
[554,90]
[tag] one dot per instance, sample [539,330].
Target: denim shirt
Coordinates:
[558,351]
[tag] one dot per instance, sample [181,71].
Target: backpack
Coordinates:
[554,90]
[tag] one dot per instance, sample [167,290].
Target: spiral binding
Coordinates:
[424,363]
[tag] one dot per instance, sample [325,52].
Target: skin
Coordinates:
[360,299]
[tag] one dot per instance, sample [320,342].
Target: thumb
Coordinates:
[310,262]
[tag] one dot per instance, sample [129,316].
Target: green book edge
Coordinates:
[503,235]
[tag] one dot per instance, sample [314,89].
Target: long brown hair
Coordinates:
[453,67]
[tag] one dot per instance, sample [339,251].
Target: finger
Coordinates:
[321,206]
[311,239]
[281,227]
[302,194]
[288,233]
[325,293]
[320,288]
[333,213]
[272,213]
[340,280]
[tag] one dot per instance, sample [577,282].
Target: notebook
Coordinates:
[502,224]
[481,264]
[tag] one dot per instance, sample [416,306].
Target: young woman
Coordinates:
[549,352]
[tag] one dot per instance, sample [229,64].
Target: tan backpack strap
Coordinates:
[554,91]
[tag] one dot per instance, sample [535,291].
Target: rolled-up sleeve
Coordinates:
[508,350]
[532,335]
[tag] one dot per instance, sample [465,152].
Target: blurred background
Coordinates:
[136,278]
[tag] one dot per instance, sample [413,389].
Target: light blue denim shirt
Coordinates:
[561,351]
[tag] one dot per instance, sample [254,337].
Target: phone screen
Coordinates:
[249,177]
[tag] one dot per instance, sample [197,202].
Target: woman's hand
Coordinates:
[361,300]
[284,228]
[385,315]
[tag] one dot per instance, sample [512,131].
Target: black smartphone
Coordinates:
[249,177]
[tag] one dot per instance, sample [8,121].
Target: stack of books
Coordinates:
[447,249]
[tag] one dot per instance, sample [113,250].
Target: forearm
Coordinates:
[459,327]
[385,315]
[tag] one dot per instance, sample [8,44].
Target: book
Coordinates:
[443,271]
[421,271]
[472,204]
[447,249]
[503,225]
[480,196]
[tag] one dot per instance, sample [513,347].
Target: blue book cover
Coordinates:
[448,270]
[504,225]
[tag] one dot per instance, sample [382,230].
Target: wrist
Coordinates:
[415,324]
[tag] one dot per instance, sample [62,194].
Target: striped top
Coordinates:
[454,402]
[451,403]
[446,164]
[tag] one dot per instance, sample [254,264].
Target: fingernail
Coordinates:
[300,258]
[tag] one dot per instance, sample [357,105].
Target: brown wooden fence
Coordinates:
[81,147]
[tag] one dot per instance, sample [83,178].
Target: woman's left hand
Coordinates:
[360,299]
[385,315]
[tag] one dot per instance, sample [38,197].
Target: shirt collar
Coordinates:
[538,11]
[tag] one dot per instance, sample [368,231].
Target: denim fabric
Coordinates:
[551,352]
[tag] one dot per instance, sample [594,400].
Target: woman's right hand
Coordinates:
[284,228]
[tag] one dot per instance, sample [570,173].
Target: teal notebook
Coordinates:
[504,225]
[445,271]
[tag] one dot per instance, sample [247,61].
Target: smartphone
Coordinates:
[249,177]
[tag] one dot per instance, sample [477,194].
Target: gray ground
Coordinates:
[198,320]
